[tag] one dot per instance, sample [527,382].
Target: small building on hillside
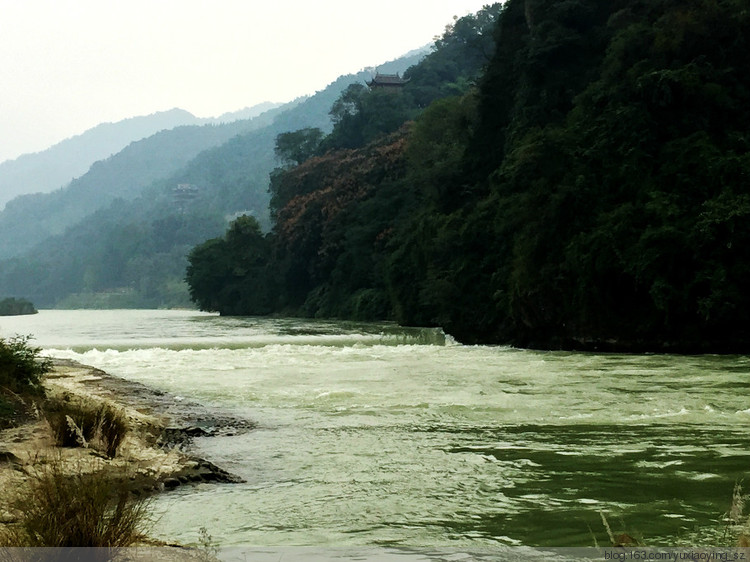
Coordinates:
[387,82]
[184,194]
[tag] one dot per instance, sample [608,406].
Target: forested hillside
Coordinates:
[590,192]
[339,197]
[119,235]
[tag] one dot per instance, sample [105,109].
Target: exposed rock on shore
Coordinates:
[153,455]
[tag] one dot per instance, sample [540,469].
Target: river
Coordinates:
[375,435]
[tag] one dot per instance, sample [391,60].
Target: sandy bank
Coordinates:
[153,454]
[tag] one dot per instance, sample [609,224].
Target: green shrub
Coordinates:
[7,408]
[14,408]
[79,509]
[21,368]
[79,424]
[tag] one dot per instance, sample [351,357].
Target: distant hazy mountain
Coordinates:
[55,167]
[246,113]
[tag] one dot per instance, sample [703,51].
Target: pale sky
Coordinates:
[68,65]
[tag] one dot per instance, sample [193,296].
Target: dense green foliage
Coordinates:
[336,201]
[615,193]
[590,192]
[16,307]
[233,270]
[21,368]
[456,61]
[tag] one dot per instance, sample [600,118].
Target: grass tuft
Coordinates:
[78,509]
[79,424]
[737,524]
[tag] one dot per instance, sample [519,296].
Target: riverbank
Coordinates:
[153,455]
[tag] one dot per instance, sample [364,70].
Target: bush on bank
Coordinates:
[16,307]
[21,367]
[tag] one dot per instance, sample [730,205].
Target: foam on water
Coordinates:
[378,435]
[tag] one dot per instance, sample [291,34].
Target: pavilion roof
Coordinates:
[387,80]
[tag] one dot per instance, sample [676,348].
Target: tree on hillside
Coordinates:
[295,147]
[361,116]
[16,307]
[457,60]
[231,275]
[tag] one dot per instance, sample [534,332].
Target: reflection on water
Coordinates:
[376,435]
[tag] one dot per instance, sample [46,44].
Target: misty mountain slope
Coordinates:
[45,171]
[29,219]
[246,113]
[233,178]
[236,176]
[55,167]
[133,249]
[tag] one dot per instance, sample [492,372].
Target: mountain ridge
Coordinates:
[54,167]
[28,219]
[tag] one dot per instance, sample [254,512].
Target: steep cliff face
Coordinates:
[613,156]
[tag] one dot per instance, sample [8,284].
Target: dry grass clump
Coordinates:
[79,424]
[621,539]
[86,508]
[737,524]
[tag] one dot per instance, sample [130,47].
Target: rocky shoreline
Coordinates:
[154,455]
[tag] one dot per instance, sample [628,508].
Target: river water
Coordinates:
[375,435]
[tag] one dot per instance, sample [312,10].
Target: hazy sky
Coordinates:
[68,65]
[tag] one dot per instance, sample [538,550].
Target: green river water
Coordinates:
[374,435]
